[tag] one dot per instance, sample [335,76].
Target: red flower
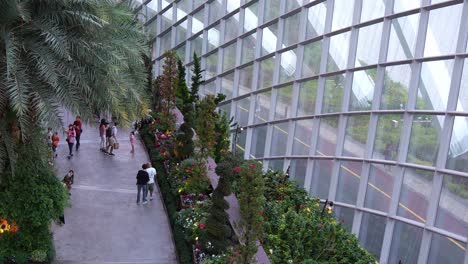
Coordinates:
[236,169]
[187,170]
[202,226]
[261,212]
[302,206]
[162,151]
[252,166]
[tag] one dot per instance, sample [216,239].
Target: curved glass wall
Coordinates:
[366,101]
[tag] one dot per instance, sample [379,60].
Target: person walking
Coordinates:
[102,134]
[142,181]
[67,183]
[132,141]
[71,134]
[151,173]
[113,139]
[55,143]
[78,130]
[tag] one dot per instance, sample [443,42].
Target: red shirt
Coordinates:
[77,125]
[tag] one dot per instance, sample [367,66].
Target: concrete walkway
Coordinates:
[104,224]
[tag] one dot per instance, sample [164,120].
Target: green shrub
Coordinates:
[32,198]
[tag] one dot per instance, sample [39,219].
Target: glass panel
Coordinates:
[356,136]
[276,164]
[183,8]
[181,31]
[379,188]
[213,37]
[258,141]
[232,27]
[387,136]
[415,194]
[333,95]
[283,102]
[210,88]
[151,29]
[363,90]
[269,38]
[302,135]
[462,105]
[197,21]
[293,4]
[368,45]
[403,34]
[405,243]
[452,214]
[434,85]
[456,159]
[211,65]
[248,48]
[272,10]
[262,107]
[345,216]
[240,145]
[229,61]
[166,19]
[181,53]
[196,45]
[279,139]
[312,55]
[442,30]
[197,3]
[267,67]
[242,111]
[251,18]
[372,9]
[348,182]
[307,97]
[424,141]
[151,9]
[298,171]
[227,85]
[316,20]
[232,5]
[245,80]
[164,4]
[226,108]
[446,250]
[287,66]
[216,11]
[327,137]
[165,42]
[338,53]
[320,184]
[396,87]
[403,5]
[291,35]
[372,233]
[342,14]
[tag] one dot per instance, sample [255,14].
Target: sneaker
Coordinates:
[145,202]
[151,198]
[111,154]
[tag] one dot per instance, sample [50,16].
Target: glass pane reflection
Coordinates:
[242,111]
[321,176]
[458,151]
[372,232]
[403,37]
[283,102]
[379,188]
[298,171]
[279,139]
[406,243]
[368,45]
[327,136]
[356,135]
[446,250]
[342,14]
[363,90]
[424,141]
[311,61]
[333,95]
[262,107]
[302,135]
[338,53]
[227,85]
[415,194]
[245,79]
[348,182]
[387,137]
[316,20]
[258,141]
[434,86]
[307,97]
[396,87]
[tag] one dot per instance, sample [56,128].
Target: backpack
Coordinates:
[109,132]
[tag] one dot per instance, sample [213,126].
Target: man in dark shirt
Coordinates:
[142,182]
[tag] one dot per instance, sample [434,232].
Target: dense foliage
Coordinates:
[31,198]
[205,124]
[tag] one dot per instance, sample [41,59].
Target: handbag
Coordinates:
[116,145]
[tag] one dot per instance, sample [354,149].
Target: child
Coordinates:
[132,141]
[55,142]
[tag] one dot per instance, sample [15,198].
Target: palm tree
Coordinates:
[78,54]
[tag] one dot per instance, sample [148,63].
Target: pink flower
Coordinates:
[236,169]
[252,166]
[192,163]
[187,171]
[202,226]
[343,221]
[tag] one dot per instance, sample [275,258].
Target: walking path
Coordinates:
[104,224]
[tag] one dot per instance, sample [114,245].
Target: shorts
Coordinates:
[111,141]
[151,187]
